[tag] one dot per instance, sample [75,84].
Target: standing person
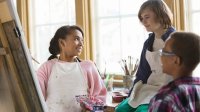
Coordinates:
[179,57]
[65,76]
[156,17]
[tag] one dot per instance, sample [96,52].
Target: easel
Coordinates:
[6,103]
[18,90]
[14,69]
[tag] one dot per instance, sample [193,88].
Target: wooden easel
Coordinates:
[15,70]
[18,90]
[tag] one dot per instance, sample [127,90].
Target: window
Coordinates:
[192,15]
[192,20]
[118,33]
[47,17]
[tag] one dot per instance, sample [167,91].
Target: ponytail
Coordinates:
[52,57]
[54,48]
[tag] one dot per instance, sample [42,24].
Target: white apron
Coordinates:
[142,93]
[65,82]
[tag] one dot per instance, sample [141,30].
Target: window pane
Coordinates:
[118,33]
[127,7]
[195,4]
[41,16]
[108,41]
[133,35]
[64,12]
[107,7]
[195,23]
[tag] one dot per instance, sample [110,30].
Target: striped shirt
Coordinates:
[180,95]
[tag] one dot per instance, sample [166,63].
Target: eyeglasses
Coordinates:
[166,53]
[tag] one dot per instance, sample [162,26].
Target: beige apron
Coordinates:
[142,93]
[65,82]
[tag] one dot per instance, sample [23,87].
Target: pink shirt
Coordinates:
[95,83]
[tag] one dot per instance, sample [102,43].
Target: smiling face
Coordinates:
[72,45]
[149,20]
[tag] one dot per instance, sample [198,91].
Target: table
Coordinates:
[111,105]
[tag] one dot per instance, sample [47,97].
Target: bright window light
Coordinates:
[118,33]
